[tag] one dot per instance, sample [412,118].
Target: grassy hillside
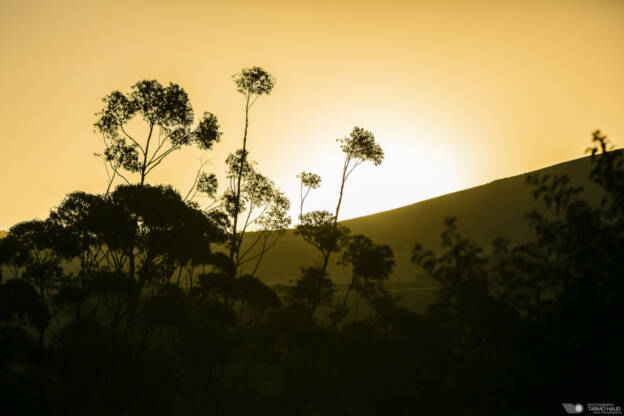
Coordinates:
[484,213]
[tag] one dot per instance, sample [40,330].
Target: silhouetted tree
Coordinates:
[22,305]
[358,148]
[169,117]
[255,298]
[319,229]
[266,212]
[307,182]
[371,264]
[521,314]
[311,290]
[252,83]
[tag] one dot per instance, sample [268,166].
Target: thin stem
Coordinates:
[145,153]
[201,166]
[234,246]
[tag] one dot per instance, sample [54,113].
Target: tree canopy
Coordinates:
[169,117]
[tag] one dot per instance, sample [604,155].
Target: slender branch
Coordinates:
[301,198]
[116,170]
[194,186]
[254,101]
[110,178]
[214,202]
[130,137]
[161,157]
[250,211]
[260,253]
[145,153]
[161,143]
[234,245]
[252,245]
[242,233]
[355,165]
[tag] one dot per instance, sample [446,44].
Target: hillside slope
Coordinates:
[483,213]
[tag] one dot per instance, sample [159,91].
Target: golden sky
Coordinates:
[457,93]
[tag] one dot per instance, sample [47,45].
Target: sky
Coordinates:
[457,93]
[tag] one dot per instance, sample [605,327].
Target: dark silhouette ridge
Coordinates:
[154,320]
[137,301]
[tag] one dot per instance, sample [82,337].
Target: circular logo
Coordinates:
[578,408]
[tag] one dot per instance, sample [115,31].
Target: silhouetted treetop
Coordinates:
[169,116]
[319,229]
[309,180]
[254,81]
[207,184]
[360,146]
[608,166]
[368,260]
[312,289]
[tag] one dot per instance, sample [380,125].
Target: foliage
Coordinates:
[122,303]
[318,228]
[254,81]
[307,182]
[561,290]
[251,191]
[266,212]
[311,290]
[321,229]
[371,264]
[169,117]
[361,147]
[368,260]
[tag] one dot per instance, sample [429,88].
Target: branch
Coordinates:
[201,166]
[258,217]
[160,145]
[251,208]
[261,253]
[214,202]
[130,137]
[110,178]
[254,101]
[264,250]
[116,170]
[160,158]
[355,165]
[242,232]
[252,245]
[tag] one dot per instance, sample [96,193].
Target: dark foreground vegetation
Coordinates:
[139,301]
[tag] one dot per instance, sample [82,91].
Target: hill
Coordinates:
[483,213]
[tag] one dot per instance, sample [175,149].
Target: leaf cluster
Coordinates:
[360,146]
[254,81]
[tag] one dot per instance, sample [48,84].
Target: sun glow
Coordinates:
[456,96]
[417,166]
